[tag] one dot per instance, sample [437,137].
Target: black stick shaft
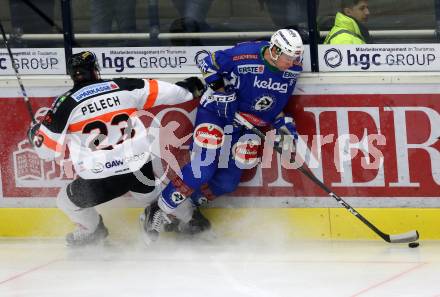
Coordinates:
[17,74]
[319,183]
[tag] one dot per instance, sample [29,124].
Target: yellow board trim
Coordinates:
[246,223]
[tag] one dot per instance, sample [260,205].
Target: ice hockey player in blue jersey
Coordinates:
[256,79]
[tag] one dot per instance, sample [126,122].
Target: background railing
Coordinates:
[69,24]
[396,34]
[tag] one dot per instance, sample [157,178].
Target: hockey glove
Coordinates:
[224,104]
[192,84]
[286,125]
[32,131]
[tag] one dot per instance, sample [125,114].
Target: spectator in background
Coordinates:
[31,17]
[349,27]
[193,15]
[104,12]
[290,14]
[285,13]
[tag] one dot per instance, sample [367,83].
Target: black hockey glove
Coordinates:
[192,84]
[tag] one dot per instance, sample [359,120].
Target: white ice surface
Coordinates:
[183,268]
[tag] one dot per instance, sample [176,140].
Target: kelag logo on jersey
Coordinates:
[93,90]
[270,85]
[252,68]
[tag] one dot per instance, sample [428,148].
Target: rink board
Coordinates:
[283,224]
[368,137]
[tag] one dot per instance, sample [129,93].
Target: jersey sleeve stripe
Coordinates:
[153,92]
[106,117]
[50,143]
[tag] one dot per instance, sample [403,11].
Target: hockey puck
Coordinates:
[413,244]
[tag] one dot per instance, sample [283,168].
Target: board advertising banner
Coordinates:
[157,60]
[379,57]
[375,145]
[36,61]
[117,61]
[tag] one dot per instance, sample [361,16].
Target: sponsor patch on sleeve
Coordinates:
[290,74]
[245,57]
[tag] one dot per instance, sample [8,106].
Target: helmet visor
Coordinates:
[295,59]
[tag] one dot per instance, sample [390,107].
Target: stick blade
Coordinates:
[405,237]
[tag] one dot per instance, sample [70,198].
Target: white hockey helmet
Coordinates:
[288,42]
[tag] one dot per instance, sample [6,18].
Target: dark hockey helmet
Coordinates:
[83,67]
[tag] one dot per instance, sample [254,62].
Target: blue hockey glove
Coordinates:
[286,125]
[224,104]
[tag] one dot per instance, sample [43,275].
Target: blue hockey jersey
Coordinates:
[262,90]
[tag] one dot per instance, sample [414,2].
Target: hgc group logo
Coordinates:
[384,57]
[333,57]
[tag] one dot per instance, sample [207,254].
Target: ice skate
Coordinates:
[153,221]
[199,223]
[82,237]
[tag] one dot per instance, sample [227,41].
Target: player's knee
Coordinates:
[63,201]
[208,139]
[230,187]
[221,188]
[149,197]
[208,135]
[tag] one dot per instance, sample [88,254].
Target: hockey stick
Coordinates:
[17,74]
[396,238]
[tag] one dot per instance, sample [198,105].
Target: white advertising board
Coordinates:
[117,61]
[33,61]
[379,57]
[151,60]
[156,60]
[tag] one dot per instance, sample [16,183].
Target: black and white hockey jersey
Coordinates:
[100,124]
